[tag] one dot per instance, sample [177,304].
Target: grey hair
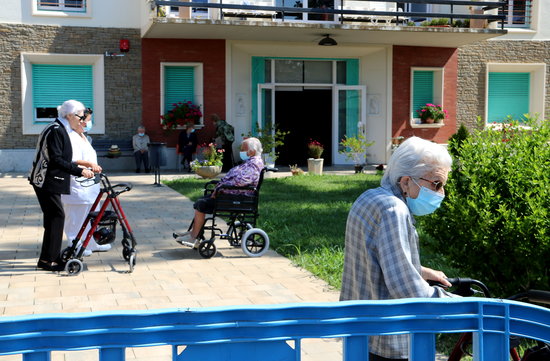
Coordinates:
[69,107]
[414,158]
[254,144]
[141,127]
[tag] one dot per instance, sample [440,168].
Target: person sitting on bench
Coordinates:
[245,174]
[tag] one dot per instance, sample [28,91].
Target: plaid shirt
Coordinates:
[382,261]
[246,174]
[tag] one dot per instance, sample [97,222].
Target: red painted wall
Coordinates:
[405,57]
[211,53]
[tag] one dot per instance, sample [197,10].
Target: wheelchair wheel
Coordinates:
[236,231]
[255,242]
[207,249]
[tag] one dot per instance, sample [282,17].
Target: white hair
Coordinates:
[70,107]
[415,157]
[254,144]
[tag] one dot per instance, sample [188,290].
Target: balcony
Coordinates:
[351,21]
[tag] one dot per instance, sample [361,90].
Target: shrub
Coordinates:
[495,221]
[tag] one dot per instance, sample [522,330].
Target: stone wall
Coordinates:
[472,60]
[122,75]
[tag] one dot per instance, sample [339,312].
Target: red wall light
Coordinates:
[124,45]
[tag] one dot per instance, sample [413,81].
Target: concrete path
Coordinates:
[166,275]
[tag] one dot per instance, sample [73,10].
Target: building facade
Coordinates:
[260,67]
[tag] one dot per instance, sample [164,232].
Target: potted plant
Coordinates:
[355,149]
[315,162]
[212,163]
[431,113]
[271,139]
[181,114]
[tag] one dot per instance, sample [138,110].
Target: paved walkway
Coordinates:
[167,275]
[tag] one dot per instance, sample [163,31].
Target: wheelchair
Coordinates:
[240,210]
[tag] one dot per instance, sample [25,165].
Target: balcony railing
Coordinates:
[275,332]
[339,11]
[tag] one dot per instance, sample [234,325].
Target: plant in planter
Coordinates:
[181,114]
[431,113]
[315,162]
[271,139]
[355,149]
[212,163]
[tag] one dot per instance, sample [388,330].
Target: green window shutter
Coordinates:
[352,72]
[508,96]
[179,85]
[258,77]
[54,84]
[423,89]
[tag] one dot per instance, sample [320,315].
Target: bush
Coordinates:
[494,223]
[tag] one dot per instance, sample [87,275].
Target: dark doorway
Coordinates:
[306,114]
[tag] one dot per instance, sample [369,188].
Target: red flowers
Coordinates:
[180,114]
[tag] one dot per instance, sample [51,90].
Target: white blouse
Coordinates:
[82,150]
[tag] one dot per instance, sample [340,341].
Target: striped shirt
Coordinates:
[382,259]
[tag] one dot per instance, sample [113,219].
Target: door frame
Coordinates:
[338,158]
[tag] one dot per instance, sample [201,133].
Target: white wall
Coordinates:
[103,13]
[374,73]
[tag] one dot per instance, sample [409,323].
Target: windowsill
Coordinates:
[520,31]
[426,125]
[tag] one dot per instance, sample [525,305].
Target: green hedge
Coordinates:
[494,223]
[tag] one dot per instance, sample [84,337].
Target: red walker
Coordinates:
[103,225]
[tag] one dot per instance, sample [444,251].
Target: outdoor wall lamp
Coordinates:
[327,41]
[124,46]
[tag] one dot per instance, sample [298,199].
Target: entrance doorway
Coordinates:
[306,114]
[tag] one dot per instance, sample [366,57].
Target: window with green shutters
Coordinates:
[426,87]
[53,84]
[179,85]
[509,96]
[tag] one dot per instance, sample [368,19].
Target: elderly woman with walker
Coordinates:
[50,177]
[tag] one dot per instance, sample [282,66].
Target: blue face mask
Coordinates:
[141,134]
[426,202]
[243,155]
[88,126]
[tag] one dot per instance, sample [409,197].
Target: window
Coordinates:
[52,84]
[514,90]
[426,87]
[518,14]
[63,8]
[50,79]
[64,5]
[181,82]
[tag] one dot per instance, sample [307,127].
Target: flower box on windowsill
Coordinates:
[416,123]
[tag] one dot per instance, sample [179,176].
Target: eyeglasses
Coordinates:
[437,185]
[87,111]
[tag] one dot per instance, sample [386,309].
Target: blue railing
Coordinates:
[262,332]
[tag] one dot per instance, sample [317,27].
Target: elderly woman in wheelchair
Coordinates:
[235,198]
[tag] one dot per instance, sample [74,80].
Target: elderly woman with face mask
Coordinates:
[245,174]
[382,258]
[50,177]
[78,203]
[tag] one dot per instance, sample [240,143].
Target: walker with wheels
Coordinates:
[103,223]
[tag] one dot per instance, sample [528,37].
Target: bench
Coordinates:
[102,146]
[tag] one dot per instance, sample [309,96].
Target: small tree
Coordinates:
[494,223]
[270,139]
[355,148]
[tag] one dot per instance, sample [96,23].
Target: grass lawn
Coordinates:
[305,218]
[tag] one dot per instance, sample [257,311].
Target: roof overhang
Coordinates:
[276,31]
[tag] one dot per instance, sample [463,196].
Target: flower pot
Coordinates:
[315,166]
[208,171]
[428,120]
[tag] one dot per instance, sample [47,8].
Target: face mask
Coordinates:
[88,127]
[243,155]
[192,131]
[426,202]
[141,134]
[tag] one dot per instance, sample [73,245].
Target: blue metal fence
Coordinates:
[262,332]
